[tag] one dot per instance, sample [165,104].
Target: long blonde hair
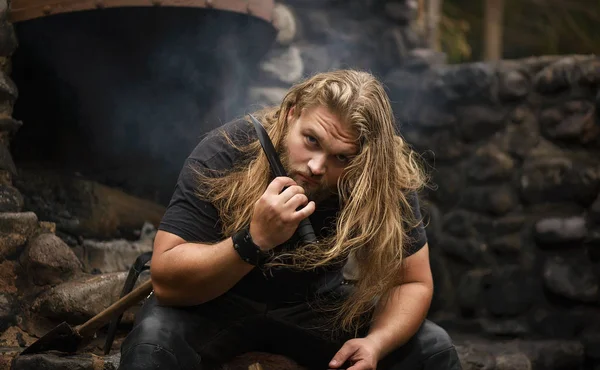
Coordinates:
[375,213]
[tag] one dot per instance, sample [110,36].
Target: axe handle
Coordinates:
[117,308]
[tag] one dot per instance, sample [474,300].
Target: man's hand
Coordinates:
[275,217]
[360,353]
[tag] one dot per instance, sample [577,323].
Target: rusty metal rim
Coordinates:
[23,10]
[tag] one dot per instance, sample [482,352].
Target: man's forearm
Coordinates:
[398,317]
[191,274]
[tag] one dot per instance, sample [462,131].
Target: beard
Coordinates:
[316,192]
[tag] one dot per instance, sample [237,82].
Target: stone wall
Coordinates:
[318,35]
[513,151]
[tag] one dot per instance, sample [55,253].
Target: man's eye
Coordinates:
[311,139]
[342,158]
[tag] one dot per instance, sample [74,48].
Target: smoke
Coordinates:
[131,91]
[123,95]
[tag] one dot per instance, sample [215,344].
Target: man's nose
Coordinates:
[317,165]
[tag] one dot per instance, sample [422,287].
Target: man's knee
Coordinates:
[437,348]
[433,339]
[430,348]
[154,343]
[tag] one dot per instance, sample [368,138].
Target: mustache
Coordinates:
[308,175]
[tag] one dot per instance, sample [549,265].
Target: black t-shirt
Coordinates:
[197,220]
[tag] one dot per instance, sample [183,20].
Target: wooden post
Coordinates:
[434,10]
[493,17]
[421,17]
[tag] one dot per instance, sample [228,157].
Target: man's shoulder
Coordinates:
[218,145]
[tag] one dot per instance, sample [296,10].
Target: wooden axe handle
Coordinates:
[117,308]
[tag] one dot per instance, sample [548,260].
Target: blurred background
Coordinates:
[492,29]
[102,101]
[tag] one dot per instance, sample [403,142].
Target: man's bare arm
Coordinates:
[185,274]
[398,317]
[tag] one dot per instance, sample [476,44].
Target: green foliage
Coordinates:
[453,37]
[531,27]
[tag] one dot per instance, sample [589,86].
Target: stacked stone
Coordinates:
[42,281]
[15,227]
[10,198]
[322,35]
[514,149]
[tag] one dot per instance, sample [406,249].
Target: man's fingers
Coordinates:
[290,192]
[296,201]
[278,184]
[305,211]
[342,355]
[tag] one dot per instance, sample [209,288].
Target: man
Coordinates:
[230,275]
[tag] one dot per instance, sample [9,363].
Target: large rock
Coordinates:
[522,133]
[463,223]
[478,354]
[509,291]
[465,82]
[24,223]
[49,260]
[477,122]
[284,22]
[8,89]
[52,361]
[494,200]
[594,212]
[8,277]
[554,178]
[6,160]
[79,300]
[513,84]
[574,122]
[11,244]
[470,288]
[470,250]
[282,66]
[559,231]
[573,279]
[85,208]
[489,164]
[10,125]
[10,199]
[8,311]
[116,255]
[8,39]
[567,72]
[510,244]
[15,228]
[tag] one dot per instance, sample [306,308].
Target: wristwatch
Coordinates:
[248,251]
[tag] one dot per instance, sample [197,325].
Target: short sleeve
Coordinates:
[417,236]
[188,216]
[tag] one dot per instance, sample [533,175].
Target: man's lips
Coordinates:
[308,179]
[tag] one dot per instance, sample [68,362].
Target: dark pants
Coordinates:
[208,335]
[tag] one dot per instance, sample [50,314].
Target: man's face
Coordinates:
[319,147]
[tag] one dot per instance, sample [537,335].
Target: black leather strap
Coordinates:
[248,251]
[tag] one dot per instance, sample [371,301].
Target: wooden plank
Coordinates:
[22,10]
